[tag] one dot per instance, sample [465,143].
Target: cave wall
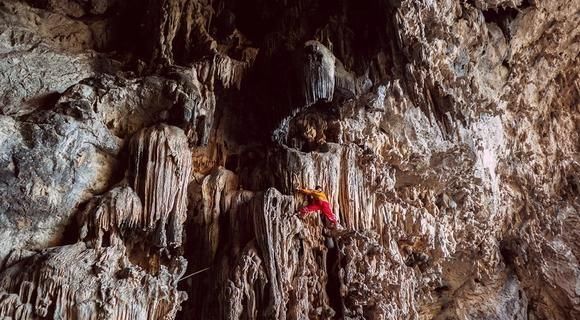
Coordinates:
[142,141]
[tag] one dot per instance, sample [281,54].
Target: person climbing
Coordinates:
[319,202]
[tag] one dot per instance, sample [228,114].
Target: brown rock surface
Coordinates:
[142,141]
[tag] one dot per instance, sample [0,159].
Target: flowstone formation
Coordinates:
[144,141]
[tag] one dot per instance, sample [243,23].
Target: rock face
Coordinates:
[142,142]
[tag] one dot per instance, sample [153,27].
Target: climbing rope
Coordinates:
[193,274]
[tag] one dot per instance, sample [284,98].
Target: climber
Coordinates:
[319,202]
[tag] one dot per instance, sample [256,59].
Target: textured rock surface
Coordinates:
[51,163]
[104,284]
[141,141]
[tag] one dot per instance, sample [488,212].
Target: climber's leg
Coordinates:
[325,208]
[313,207]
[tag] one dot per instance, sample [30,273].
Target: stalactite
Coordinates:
[159,173]
[115,213]
[318,73]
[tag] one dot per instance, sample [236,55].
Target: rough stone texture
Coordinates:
[159,174]
[123,265]
[138,135]
[123,105]
[318,73]
[50,164]
[42,54]
[104,284]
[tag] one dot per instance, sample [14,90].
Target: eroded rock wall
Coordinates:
[141,142]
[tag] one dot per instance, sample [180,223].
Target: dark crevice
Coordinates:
[71,232]
[442,108]
[333,283]
[503,17]
[507,253]
[232,162]
[287,23]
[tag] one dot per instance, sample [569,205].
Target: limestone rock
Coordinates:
[51,163]
[114,216]
[151,150]
[123,104]
[104,284]
[159,173]
[318,73]
[29,39]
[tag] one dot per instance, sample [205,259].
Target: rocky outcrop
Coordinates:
[123,266]
[51,163]
[33,37]
[104,284]
[149,154]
